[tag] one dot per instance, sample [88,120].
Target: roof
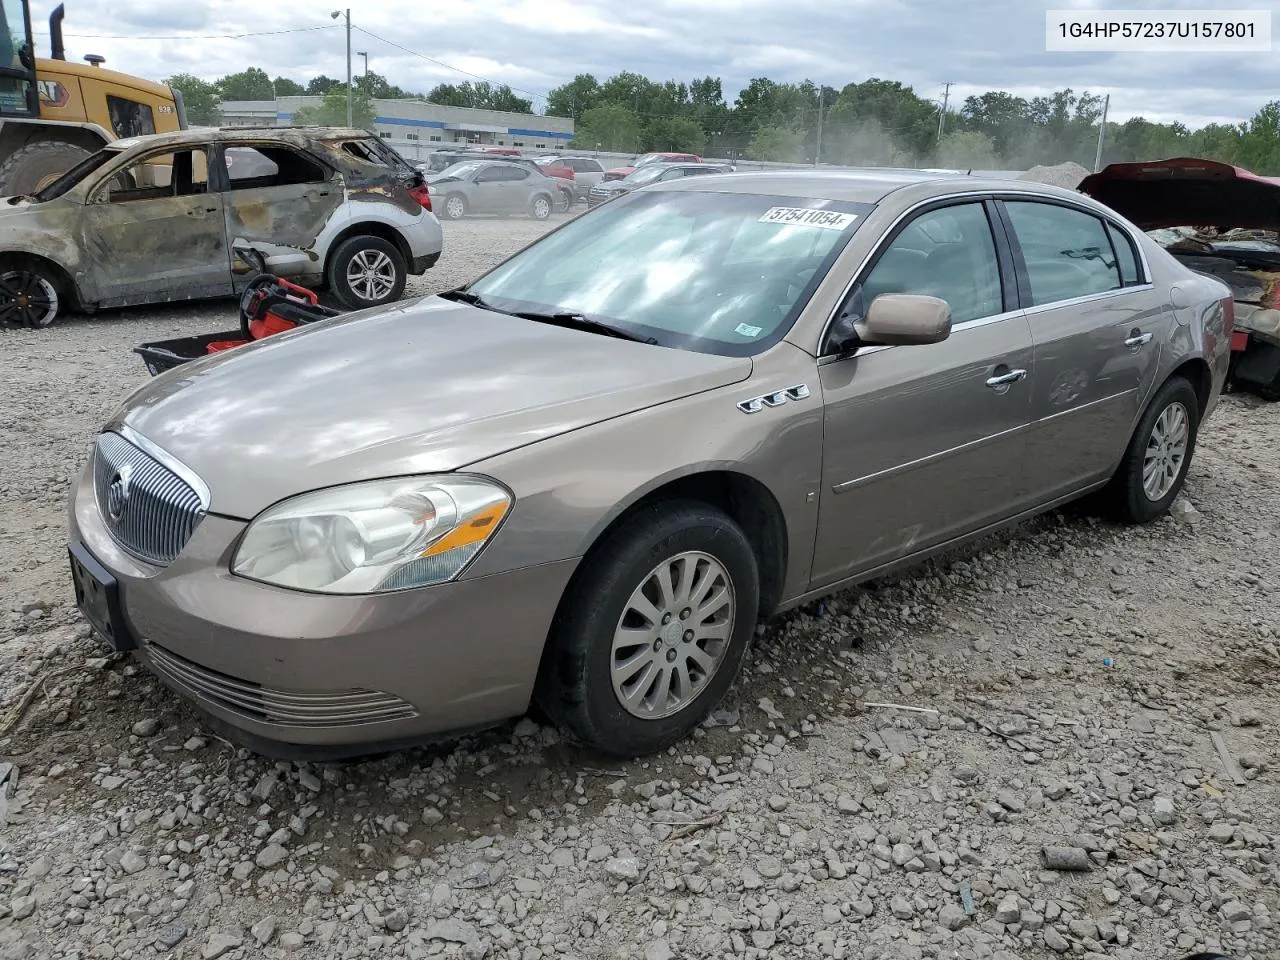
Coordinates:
[1187,192]
[272,134]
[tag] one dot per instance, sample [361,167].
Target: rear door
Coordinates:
[278,200]
[1098,326]
[154,231]
[923,444]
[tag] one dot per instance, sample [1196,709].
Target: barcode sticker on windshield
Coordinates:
[808,217]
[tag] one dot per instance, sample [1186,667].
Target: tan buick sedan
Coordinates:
[586,476]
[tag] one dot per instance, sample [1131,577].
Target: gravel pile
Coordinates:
[1066,175]
[1056,789]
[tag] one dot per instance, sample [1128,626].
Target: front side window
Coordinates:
[947,253]
[1067,251]
[713,272]
[130,118]
[179,173]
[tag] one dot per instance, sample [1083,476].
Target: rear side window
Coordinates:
[1126,257]
[1067,252]
[250,168]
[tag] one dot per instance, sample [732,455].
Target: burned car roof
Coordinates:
[1187,191]
[296,135]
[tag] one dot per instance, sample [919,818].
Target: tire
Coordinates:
[29,295]
[576,684]
[37,165]
[366,271]
[1127,493]
[454,206]
[564,201]
[540,207]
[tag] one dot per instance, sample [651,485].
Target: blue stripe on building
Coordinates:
[439,125]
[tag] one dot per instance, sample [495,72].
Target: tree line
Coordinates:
[875,122]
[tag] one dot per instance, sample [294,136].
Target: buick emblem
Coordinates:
[118,492]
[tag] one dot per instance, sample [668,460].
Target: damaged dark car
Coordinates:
[158,218]
[1222,221]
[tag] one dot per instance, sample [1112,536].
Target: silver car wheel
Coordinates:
[541,208]
[27,299]
[455,208]
[371,275]
[1166,452]
[673,635]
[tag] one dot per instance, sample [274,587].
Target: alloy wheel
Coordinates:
[1166,451]
[371,275]
[27,299]
[673,635]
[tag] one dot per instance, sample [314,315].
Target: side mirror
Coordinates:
[894,319]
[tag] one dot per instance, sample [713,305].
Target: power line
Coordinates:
[441,63]
[192,36]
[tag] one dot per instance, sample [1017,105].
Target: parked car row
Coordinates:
[497,186]
[653,172]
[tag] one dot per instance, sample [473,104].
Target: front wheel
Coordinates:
[455,206]
[1155,465]
[366,272]
[540,208]
[28,296]
[651,636]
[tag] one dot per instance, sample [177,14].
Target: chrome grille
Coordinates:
[149,509]
[329,708]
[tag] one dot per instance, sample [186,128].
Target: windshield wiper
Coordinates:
[580,322]
[465,296]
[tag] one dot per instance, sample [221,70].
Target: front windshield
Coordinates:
[645,175]
[714,272]
[462,169]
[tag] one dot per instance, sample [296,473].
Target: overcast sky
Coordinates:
[535,45]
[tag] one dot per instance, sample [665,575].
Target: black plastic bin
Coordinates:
[162,355]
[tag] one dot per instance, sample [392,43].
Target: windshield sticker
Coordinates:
[747,330]
[808,217]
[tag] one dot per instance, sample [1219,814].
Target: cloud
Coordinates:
[535,45]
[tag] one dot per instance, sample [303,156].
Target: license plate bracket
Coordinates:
[98,597]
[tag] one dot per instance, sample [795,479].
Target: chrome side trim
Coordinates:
[189,476]
[1087,298]
[972,444]
[958,328]
[775,399]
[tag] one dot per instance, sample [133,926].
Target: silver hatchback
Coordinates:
[587,475]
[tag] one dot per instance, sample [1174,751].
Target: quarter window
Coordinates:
[1067,252]
[1125,255]
[947,253]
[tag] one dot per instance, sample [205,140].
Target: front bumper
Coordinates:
[307,675]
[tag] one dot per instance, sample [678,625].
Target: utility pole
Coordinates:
[817,150]
[336,14]
[1102,133]
[942,114]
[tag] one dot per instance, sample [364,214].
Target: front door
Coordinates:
[278,201]
[923,444]
[153,231]
[1098,326]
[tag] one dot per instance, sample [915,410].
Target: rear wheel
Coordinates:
[28,296]
[366,271]
[37,165]
[1155,465]
[540,208]
[455,206]
[651,636]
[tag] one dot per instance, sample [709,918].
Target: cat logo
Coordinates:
[53,93]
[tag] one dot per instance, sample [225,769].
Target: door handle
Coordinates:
[1138,339]
[1004,379]
[193,213]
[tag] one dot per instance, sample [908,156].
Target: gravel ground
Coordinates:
[1070,680]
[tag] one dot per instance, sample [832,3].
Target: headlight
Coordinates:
[373,537]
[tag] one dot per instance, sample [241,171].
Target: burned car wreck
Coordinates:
[158,218]
[1218,220]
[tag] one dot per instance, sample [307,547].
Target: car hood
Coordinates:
[1185,192]
[427,386]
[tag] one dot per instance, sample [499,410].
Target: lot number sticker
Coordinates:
[808,217]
